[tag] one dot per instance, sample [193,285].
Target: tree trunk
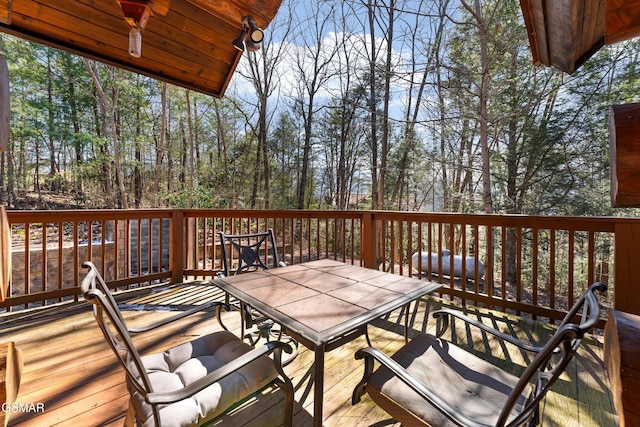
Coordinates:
[375,188]
[137,170]
[191,149]
[78,183]
[110,110]
[160,145]
[262,139]
[384,152]
[53,167]
[484,121]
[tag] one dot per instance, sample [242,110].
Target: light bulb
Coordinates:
[135,42]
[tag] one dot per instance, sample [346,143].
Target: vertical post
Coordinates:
[176,258]
[10,376]
[5,254]
[627,267]
[368,243]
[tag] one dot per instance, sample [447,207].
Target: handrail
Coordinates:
[529,264]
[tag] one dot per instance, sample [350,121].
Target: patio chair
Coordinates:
[192,383]
[250,254]
[431,381]
[243,253]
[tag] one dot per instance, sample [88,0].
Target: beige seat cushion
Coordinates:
[475,387]
[186,363]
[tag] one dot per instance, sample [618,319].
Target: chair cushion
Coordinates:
[475,387]
[186,363]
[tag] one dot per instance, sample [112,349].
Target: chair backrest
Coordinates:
[5,254]
[114,329]
[554,357]
[583,310]
[248,252]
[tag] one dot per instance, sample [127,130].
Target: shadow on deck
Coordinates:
[69,367]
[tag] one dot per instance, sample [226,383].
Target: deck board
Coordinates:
[69,367]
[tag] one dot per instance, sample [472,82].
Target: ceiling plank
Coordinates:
[232,11]
[184,42]
[5,11]
[622,21]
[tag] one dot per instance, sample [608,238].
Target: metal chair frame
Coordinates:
[548,364]
[254,251]
[118,336]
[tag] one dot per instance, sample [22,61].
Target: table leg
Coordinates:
[242,320]
[406,322]
[318,386]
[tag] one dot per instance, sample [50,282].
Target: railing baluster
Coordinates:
[552,267]
[43,286]
[60,257]
[571,262]
[76,255]
[518,272]
[504,261]
[591,252]
[476,254]
[534,264]
[490,263]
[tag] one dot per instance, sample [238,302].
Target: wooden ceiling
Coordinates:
[185,42]
[566,33]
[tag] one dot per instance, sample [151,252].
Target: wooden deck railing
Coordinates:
[534,265]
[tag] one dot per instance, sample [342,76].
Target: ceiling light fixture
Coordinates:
[256,35]
[238,43]
[136,14]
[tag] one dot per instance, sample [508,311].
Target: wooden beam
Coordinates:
[532,31]
[622,360]
[368,241]
[10,374]
[627,268]
[624,156]
[564,33]
[177,246]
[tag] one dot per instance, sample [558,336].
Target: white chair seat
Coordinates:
[180,366]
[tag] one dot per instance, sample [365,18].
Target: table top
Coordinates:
[324,299]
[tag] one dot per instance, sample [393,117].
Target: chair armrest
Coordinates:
[444,314]
[371,353]
[218,374]
[178,316]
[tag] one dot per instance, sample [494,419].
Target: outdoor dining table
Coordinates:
[324,304]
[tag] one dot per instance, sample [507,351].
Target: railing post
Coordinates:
[369,244]
[627,267]
[176,260]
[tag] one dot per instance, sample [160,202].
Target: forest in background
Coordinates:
[405,105]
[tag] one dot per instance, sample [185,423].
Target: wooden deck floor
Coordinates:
[69,367]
